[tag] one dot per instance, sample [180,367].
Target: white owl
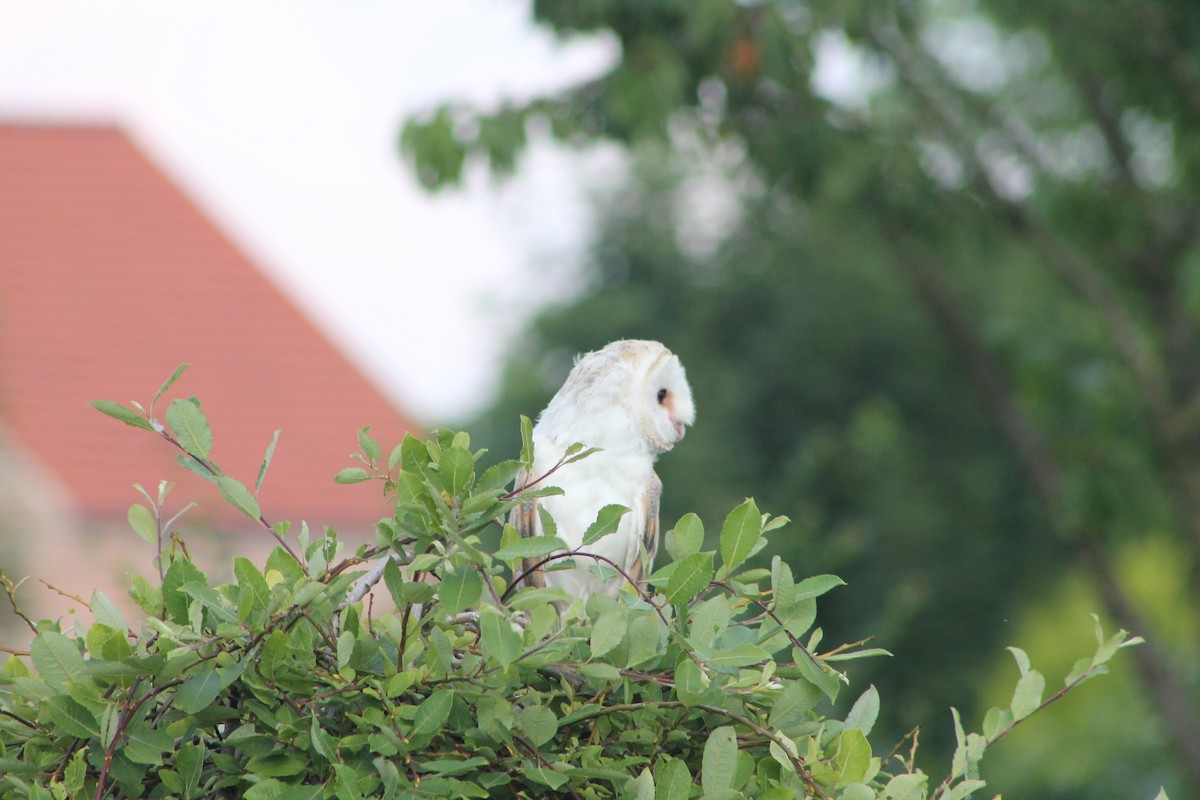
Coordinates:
[631,399]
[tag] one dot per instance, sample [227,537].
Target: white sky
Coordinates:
[280,118]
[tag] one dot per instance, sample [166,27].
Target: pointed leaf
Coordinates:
[686,538]
[457,470]
[432,713]
[238,496]
[1028,694]
[719,763]
[351,475]
[530,547]
[369,447]
[608,632]
[741,655]
[691,576]
[460,589]
[270,454]
[816,586]
[673,780]
[739,534]
[539,724]
[527,443]
[191,427]
[57,659]
[120,412]
[498,641]
[141,519]
[865,711]
[167,383]
[1022,659]
[198,692]
[607,521]
[906,787]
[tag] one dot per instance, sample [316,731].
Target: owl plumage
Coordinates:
[631,399]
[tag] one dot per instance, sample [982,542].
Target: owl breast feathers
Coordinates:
[631,399]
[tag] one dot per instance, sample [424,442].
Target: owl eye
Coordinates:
[662,395]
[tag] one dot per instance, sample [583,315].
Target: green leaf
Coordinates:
[539,724]
[1028,694]
[740,533]
[816,586]
[414,454]
[460,589]
[607,521]
[57,659]
[865,711]
[457,470]
[816,674]
[577,452]
[719,763]
[996,721]
[906,787]
[690,687]
[277,764]
[106,611]
[168,383]
[120,412]
[608,632]
[853,757]
[191,427]
[963,789]
[198,692]
[530,547]
[194,466]
[672,780]
[253,592]
[644,638]
[146,745]
[686,538]
[691,576]
[546,777]
[237,495]
[369,447]
[351,475]
[742,655]
[72,718]
[498,476]
[109,644]
[141,519]
[1021,658]
[432,713]
[498,641]
[783,586]
[792,706]
[527,444]
[266,462]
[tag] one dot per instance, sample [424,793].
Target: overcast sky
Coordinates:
[280,117]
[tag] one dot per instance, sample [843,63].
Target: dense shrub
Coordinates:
[711,681]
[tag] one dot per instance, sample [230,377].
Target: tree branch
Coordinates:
[1162,683]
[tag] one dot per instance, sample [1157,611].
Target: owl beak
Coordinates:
[680,428]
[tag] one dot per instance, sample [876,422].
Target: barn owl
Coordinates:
[631,399]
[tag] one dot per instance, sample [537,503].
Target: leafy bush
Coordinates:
[282,685]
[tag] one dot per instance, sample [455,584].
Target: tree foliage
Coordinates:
[283,683]
[953,323]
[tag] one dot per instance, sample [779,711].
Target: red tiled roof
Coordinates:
[109,278]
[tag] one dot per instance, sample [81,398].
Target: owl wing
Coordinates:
[649,541]
[525,519]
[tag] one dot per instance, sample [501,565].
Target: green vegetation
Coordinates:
[945,316]
[283,684]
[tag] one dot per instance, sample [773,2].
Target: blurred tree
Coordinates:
[951,325]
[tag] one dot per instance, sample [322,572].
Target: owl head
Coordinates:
[631,395]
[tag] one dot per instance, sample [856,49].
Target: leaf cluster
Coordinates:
[285,684]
